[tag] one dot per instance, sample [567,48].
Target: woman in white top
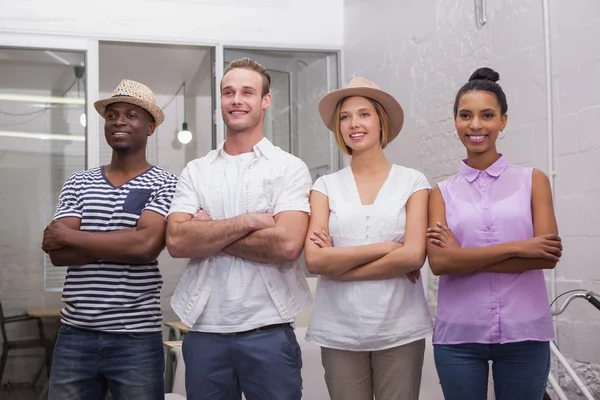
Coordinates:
[366,240]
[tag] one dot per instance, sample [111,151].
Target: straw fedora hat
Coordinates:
[135,93]
[364,88]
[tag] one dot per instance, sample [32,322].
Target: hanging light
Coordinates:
[184,136]
[83,120]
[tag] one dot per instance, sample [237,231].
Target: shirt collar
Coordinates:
[264,148]
[493,170]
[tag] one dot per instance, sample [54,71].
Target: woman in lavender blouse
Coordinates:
[492,233]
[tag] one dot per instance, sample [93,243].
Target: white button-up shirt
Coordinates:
[275,181]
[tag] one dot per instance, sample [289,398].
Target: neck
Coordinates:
[129,163]
[482,161]
[237,143]
[369,161]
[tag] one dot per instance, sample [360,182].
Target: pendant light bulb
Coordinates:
[184,136]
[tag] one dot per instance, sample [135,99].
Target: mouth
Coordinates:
[238,113]
[119,134]
[357,135]
[476,138]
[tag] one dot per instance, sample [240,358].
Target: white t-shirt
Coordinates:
[378,314]
[239,298]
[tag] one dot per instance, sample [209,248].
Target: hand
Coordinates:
[321,238]
[54,236]
[414,276]
[201,215]
[260,221]
[548,247]
[442,236]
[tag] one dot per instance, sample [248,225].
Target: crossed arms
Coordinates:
[371,261]
[253,236]
[541,252]
[67,245]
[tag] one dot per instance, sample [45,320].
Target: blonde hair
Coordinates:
[252,65]
[384,121]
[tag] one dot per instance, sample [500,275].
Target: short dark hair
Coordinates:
[483,79]
[252,65]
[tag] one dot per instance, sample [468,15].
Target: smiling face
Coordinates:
[243,105]
[127,127]
[479,120]
[360,125]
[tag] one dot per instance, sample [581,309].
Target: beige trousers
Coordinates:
[391,374]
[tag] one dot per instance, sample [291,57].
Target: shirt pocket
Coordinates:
[136,201]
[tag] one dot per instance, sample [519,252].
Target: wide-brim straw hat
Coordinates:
[364,88]
[135,93]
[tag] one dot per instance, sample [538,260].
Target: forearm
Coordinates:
[336,261]
[265,245]
[395,264]
[459,260]
[68,256]
[126,246]
[199,239]
[518,264]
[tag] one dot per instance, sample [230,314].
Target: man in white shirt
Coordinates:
[241,215]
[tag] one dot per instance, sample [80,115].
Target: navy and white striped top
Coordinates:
[107,296]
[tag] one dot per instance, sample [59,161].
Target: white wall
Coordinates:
[422,52]
[310,23]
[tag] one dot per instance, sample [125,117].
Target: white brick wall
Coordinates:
[422,52]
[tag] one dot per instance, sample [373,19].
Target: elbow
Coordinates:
[55,260]
[290,253]
[436,266]
[312,264]
[174,247]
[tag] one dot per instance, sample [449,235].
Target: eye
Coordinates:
[365,114]
[132,116]
[343,117]
[464,116]
[489,115]
[248,93]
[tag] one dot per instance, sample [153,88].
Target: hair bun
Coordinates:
[485,74]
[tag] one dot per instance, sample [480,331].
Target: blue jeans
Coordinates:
[88,363]
[264,365]
[520,370]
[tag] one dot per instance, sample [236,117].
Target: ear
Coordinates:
[151,128]
[504,120]
[266,101]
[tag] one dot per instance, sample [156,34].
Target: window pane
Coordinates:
[42,142]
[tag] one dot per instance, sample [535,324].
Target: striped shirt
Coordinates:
[108,296]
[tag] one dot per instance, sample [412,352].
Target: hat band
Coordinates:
[121,95]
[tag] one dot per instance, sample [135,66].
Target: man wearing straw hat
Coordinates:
[109,228]
[241,215]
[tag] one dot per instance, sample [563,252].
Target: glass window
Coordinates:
[42,142]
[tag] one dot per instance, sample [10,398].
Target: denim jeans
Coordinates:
[520,370]
[264,365]
[87,364]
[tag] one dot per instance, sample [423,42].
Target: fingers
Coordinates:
[552,236]
[321,238]
[411,277]
[437,242]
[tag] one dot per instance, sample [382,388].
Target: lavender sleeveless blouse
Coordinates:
[484,208]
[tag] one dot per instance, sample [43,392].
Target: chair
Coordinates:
[8,345]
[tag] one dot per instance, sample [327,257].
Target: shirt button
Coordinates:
[485,207]
[487,228]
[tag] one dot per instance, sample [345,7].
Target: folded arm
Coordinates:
[509,257]
[281,243]
[69,256]
[335,261]
[409,257]
[192,238]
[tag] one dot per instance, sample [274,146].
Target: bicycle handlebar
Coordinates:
[589,296]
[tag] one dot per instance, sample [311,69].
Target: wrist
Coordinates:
[514,249]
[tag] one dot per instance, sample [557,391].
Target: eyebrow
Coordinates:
[243,87]
[485,110]
[361,109]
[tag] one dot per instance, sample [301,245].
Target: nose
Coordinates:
[120,120]
[475,123]
[236,98]
[353,122]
